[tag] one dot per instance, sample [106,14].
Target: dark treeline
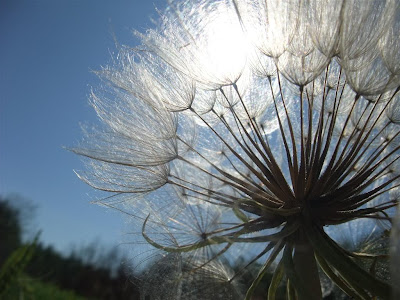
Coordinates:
[88,280]
[95,279]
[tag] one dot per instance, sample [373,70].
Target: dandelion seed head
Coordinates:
[260,128]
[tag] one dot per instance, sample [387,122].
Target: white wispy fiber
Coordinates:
[256,129]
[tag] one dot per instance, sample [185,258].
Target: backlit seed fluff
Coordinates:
[261,130]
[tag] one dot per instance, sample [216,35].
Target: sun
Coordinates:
[225,47]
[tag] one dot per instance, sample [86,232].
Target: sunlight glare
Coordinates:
[225,46]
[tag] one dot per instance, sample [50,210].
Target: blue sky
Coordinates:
[47,49]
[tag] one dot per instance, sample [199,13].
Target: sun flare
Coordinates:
[225,45]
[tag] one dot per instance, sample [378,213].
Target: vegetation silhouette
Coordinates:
[39,271]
